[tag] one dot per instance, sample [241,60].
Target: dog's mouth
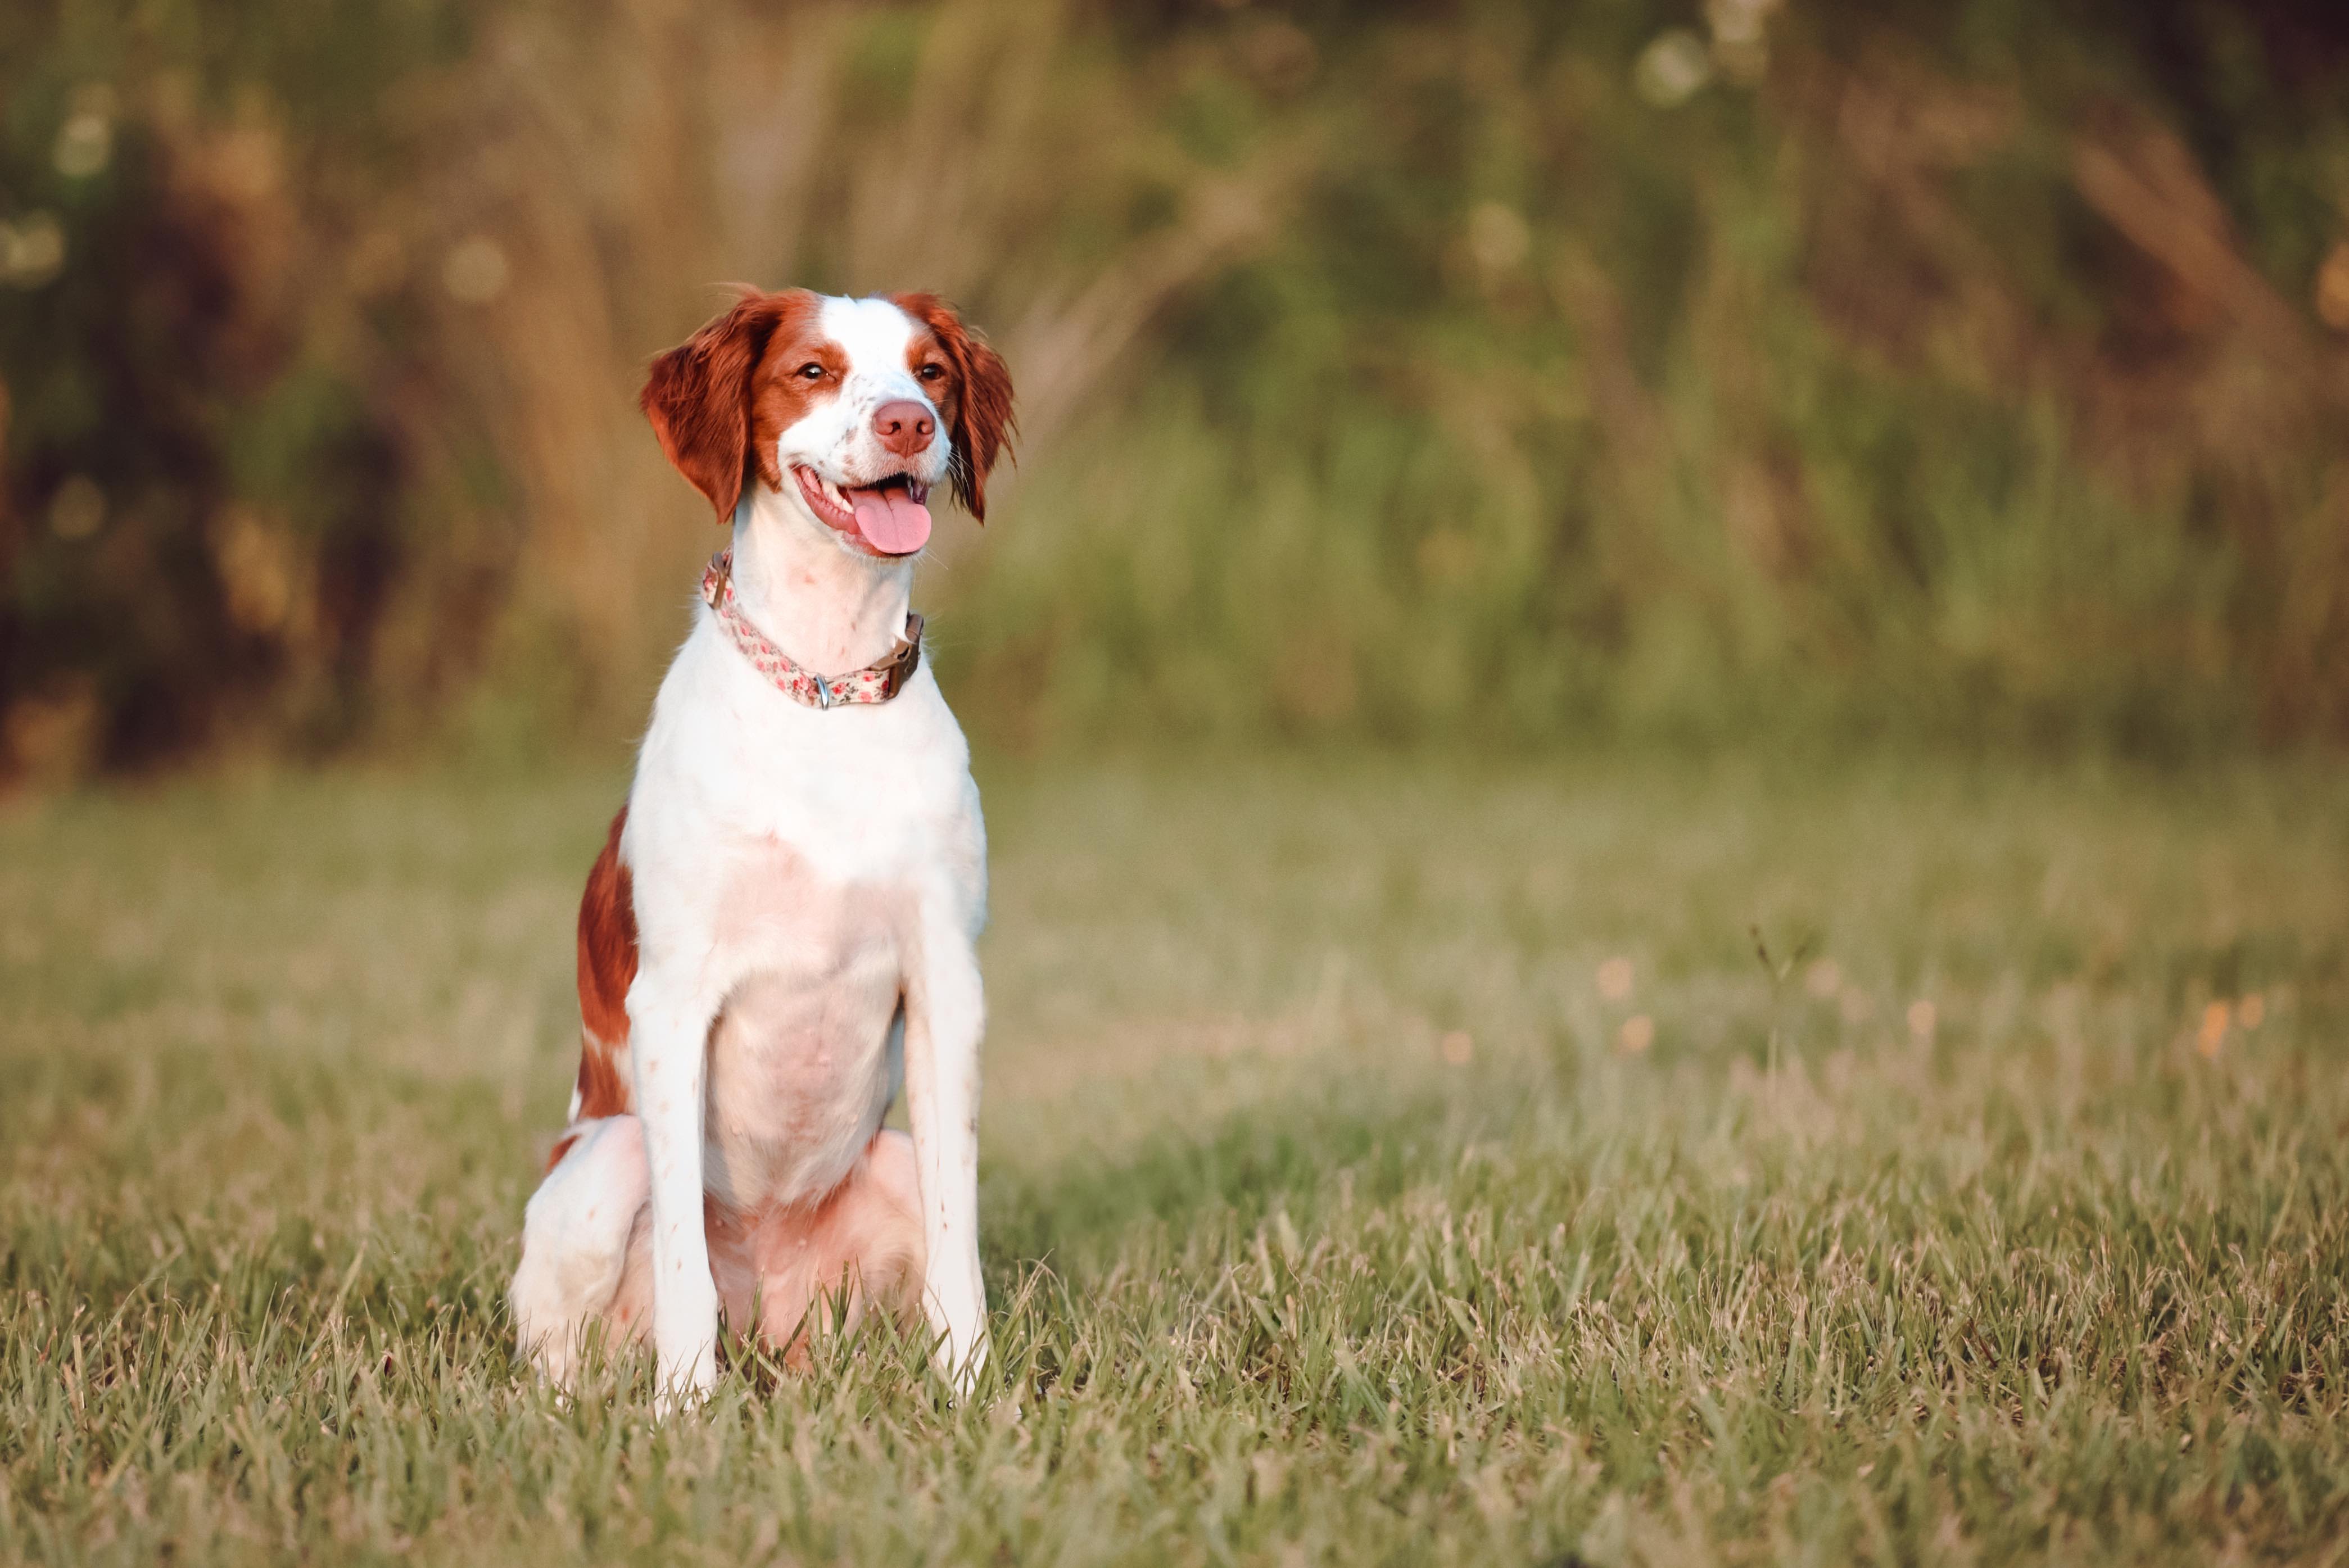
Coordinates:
[889,517]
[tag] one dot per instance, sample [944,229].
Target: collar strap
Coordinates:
[873,683]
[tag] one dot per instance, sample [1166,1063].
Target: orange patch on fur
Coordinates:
[608,967]
[700,394]
[974,396]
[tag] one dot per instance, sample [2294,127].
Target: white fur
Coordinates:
[796,871]
[575,1238]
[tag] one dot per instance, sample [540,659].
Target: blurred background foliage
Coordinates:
[1970,372]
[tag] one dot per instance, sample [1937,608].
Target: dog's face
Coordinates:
[856,408]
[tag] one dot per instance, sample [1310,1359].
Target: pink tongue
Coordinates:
[891,521]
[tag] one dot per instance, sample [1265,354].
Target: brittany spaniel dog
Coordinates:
[777,936]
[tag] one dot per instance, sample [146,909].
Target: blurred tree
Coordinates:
[202,512]
[1487,369]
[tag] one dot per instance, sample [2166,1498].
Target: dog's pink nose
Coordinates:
[905,426]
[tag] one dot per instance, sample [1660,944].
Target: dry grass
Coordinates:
[1331,1214]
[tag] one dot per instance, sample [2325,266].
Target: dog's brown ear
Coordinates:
[697,396]
[979,421]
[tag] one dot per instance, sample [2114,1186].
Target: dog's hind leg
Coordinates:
[859,1247]
[574,1241]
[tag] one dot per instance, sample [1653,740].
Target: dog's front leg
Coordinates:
[668,1029]
[945,1015]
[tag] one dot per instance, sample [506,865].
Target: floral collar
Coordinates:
[873,683]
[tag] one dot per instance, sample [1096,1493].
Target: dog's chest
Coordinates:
[804,1058]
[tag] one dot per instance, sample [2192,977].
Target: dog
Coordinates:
[778,937]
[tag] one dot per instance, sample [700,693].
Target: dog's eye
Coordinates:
[932,372]
[811,370]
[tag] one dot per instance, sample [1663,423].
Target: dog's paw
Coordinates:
[686,1386]
[678,1399]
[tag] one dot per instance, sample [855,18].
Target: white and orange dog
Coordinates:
[777,935]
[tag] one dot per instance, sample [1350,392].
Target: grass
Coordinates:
[1331,1216]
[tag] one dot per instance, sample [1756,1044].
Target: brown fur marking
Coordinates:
[974,396]
[718,400]
[608,967]
[699,394]
[779,395]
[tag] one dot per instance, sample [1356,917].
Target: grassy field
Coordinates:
[1384,1164]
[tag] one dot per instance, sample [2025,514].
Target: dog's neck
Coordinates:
[830,609]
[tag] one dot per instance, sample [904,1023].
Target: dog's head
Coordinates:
[856,407]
